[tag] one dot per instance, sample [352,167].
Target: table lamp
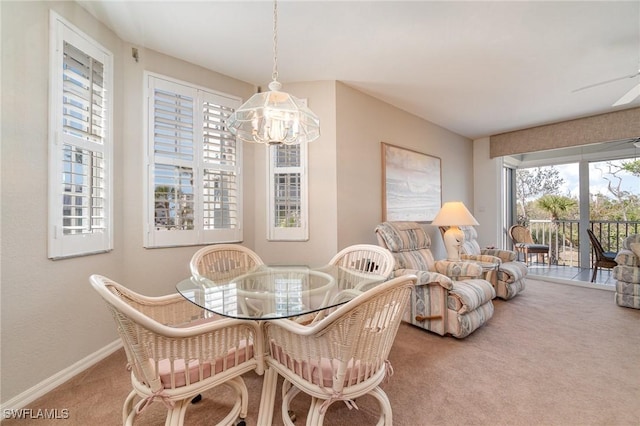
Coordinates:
[454,214]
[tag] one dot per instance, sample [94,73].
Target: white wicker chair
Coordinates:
[342,356]
[366,258]
[175,351]
[223,261]
[360,262]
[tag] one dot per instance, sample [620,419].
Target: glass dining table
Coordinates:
[273,293]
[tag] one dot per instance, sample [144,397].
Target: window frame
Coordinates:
[276,233]
[154,238]
[61,245]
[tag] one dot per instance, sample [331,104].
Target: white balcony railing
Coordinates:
[563,237]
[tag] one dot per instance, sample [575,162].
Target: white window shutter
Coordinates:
[81,148]
[193,184]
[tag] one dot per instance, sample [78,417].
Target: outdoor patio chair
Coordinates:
[175,351]
[523,243]
[602,259]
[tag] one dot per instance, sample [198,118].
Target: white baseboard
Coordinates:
[40,389]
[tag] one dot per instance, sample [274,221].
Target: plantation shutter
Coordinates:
[81,146]
[194,166]
[83,95]
[220,163]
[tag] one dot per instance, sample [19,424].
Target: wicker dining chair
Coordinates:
[175,352]
[367,259]
[360,265]
[344,355]
[223,261]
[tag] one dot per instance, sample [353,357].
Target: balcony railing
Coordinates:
[563,237]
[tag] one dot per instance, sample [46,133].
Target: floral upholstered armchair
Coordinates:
[508,277]
[627,273]
[449,297]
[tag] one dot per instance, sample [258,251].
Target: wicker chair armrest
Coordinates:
[172,310]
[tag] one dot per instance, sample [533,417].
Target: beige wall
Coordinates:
[363,122]
[50,317]
[487,195]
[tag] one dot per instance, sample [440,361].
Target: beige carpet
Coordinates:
[554,355]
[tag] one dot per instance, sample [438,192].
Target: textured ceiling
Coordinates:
[476,68]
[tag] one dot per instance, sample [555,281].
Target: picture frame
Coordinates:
[411,184]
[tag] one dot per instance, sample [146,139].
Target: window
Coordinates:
[80,143]
[193,188]
[287,192]
[592,187]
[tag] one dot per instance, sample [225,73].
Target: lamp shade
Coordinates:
[454,213]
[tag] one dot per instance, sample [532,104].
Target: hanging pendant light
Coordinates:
[274,117]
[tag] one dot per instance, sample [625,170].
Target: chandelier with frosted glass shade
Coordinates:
[274,117]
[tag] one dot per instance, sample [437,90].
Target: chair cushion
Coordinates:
[404,236]
[319,371]
[470,243]
[179,367]
[469,295]
[531,247]
[421,260]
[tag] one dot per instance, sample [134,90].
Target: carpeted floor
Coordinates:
[554,355]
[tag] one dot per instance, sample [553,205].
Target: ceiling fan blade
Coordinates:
[607,82]
[629,97]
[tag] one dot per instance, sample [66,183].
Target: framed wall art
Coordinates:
[411,184]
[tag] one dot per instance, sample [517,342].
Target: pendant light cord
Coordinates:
[274,75]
